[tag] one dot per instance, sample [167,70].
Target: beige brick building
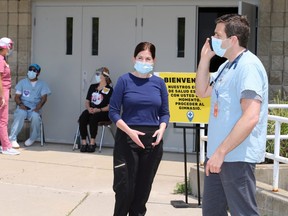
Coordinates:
[273,43]
[16,23]
[272,46]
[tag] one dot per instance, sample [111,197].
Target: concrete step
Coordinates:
[270,203]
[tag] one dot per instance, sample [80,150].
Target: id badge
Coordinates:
[215,109]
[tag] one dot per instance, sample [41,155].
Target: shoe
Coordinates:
[29,142]
[10,151]
[91,148]
[15,144]
[0,149]
[83,148]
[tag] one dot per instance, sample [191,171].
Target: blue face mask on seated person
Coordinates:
[97,78]
[31,75]
[143,68]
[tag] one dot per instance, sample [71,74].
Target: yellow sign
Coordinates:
[184,105]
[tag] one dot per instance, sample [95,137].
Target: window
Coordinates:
[69,35]
[95,36]
[181,37]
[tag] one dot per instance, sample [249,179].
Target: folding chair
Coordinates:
[104,125]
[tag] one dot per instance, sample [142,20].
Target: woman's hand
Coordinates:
[159,134]
[134,135]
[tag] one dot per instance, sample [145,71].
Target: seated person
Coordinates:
[30,96]
[97,106]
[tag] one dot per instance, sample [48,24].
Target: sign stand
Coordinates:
[181,203]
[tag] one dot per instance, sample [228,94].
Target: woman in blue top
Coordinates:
[139,108]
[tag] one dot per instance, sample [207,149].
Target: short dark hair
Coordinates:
[145,46]
[236,25]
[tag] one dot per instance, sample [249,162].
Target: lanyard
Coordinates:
[235,63]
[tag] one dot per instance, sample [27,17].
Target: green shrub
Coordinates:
[284,127]
[180,188]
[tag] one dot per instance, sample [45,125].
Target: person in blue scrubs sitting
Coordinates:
[30,96]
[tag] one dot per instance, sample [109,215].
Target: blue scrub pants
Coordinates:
[19,117]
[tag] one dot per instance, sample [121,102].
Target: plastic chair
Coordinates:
[104,125]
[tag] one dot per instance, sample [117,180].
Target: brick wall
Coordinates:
[15,23]
[273,43]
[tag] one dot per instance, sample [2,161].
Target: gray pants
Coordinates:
[233,188]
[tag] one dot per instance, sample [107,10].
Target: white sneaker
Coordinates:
[29,142]
[10,151]
[15,144]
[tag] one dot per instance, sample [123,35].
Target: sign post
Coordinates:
[186,107]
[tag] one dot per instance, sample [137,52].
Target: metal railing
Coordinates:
[277,136]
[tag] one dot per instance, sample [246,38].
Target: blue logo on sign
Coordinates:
[190,115]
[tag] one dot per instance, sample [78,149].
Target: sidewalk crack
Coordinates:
[80,202]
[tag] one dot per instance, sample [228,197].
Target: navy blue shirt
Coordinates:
[144,101]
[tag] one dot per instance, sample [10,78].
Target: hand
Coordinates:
[36,110]
[159,134]
[206,51]
[91,110]
[134,135]
[23,107]
[214,164]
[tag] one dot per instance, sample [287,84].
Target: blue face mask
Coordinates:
[31,75]
[216,44]
[97,79]
[143,68]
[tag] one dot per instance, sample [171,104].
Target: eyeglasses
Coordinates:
[33,69]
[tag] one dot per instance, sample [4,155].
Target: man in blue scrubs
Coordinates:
[30,96]
[238,119]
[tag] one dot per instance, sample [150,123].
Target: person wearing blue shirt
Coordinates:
[139,108]
[238,119]
[30,96]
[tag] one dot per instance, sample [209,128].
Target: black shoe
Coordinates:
[83,148]
[91,148]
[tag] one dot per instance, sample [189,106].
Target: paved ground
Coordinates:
[55,181]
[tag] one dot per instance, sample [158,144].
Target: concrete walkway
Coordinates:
[55,181]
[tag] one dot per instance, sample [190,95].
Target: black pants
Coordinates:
[134,172]
[92,120]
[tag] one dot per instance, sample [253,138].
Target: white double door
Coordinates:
[120,29]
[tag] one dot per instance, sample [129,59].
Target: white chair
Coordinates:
[103,124]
